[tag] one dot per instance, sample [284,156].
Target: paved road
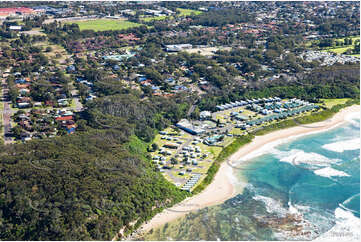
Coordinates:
[78,105]
[50,20]
[6,113]
[214,114]
[191,109]
[183,145]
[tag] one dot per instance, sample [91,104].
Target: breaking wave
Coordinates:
[347,227]
[330,172]
[297,157]
[272,206]
[341,146]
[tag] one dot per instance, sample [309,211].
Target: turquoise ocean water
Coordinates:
[315,178]
[304,189]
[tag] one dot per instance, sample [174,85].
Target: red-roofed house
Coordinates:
[5,12]
[65,118]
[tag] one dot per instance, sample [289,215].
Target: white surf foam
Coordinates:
[292,209]
[330,172]
[270,147]
[297,209]
[341,146]
[352,117]
[347,227]
[307,231]
[297,157]
[265,149]
[350,199]
[347,209]
[272,206]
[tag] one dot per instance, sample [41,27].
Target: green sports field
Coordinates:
[330,102]
[105,24]
[335,49]
[186,12]
[148,19]
[183,12]
[340,50]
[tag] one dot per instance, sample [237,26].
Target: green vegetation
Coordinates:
[104,24]
[353,38]
[214,150]
[329,103]
[338,81]
[332,41]
[79,187]
[89,185]
[313,117]
[240,141]
[187,12]
[222,17]
[183,12]
[225,153]
[340,50]
[347,45]
[326,113]
[217,222]
[148,19]
[99,180]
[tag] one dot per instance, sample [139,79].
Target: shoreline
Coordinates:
[223,186]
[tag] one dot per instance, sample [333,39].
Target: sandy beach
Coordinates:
[222,187]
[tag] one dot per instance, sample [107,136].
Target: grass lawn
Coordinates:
[176,174]
[14,108]
[329,103]
[105,24]
[237,131]
[160,142]
[183,12]
[55,49]
[339,50]
[187,12]
[205,166]
[72,104]
[167,177]
[212,150]
[227,141]
[247,113]
[352,37]
[221,118]
[148,19]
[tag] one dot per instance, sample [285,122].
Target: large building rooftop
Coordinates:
[189,127]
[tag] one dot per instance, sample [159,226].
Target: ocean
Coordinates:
[304,189]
